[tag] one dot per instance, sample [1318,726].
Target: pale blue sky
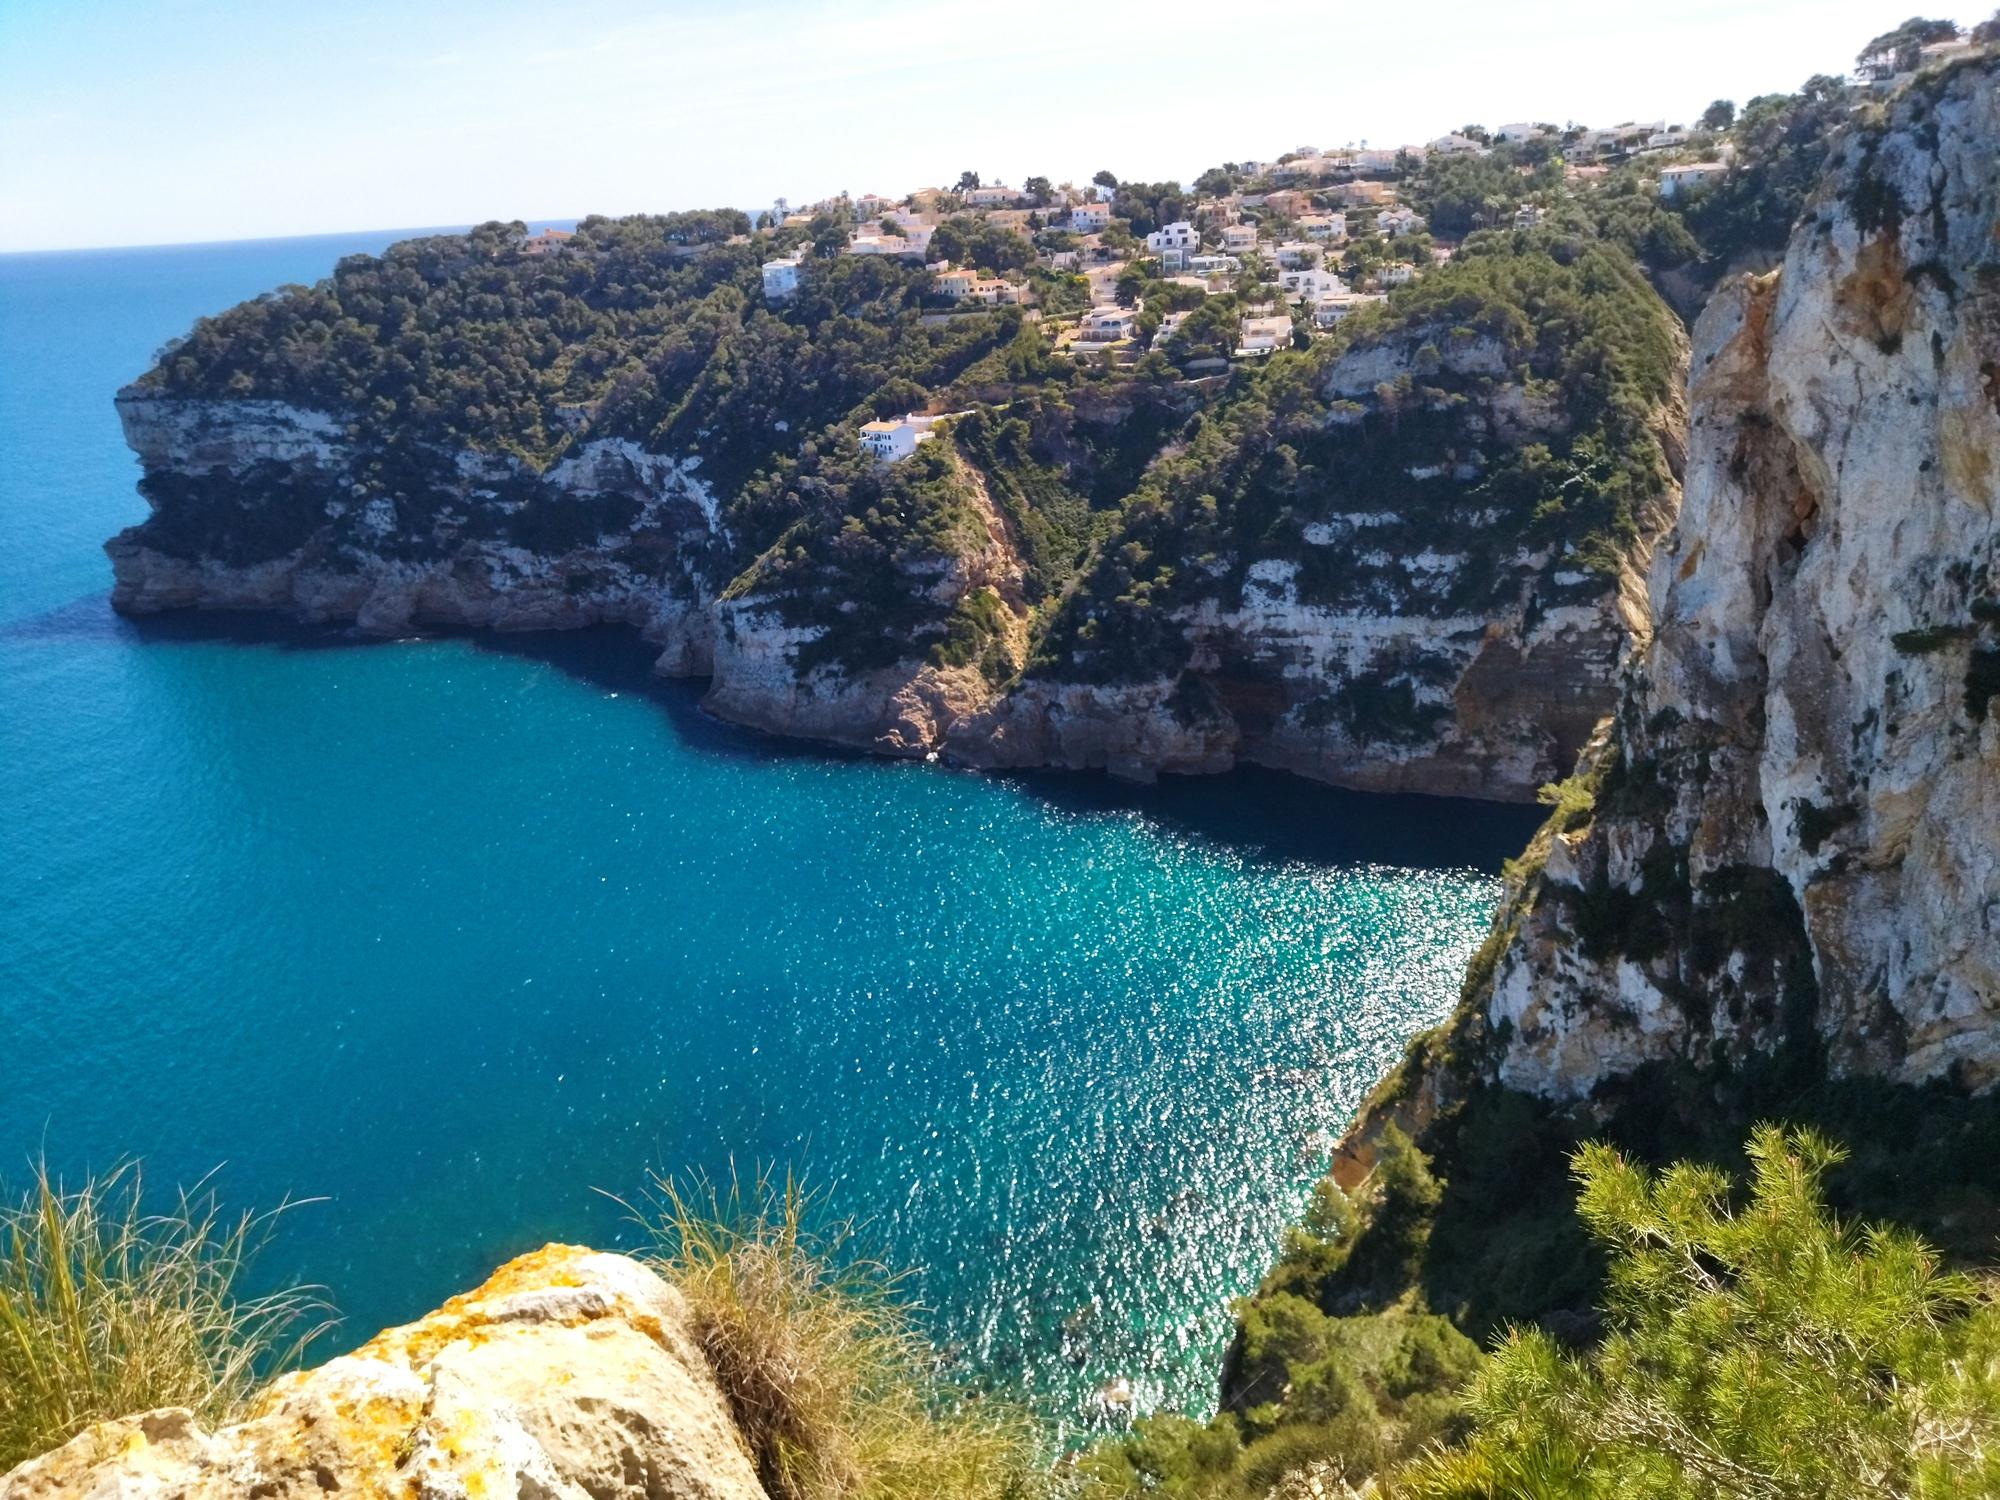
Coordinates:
[124,122]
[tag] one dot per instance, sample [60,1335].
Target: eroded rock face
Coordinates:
[260,505]
[569,1374]
[1798,841]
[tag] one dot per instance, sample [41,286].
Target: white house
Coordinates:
[1332,227]
[1108,323]
[1659,140]
[1527,216]
[1296,253]
[993,195]
[1169,326]
[1060,260]
[1261,336]
[1521,130]
[1179,235]
[1309,284]
[1239,239]
[894,440]
[1692,176]
[1089,218]
[1396,273]
[913,242]
[1394,221]
[955,286]
[1456,145]
[1214,265]
[781,277]
[1333,306]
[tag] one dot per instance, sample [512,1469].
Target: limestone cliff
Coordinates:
[266,505]
[568,1374]
[1796,832]
[1419,579]
[1394,625]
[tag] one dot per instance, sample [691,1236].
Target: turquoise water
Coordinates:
[449,934]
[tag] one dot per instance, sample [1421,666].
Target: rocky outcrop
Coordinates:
[1414,631]
[265,506]
[1796,838]
[568,1374]
[1415,643]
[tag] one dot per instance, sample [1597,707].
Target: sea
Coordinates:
[457,945]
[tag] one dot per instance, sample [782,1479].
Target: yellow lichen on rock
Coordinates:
[568,1373]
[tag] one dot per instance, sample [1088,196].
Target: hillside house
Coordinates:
[1331,307]
[781,277]
[1396,273]
[1363,194]
[913,242]
[997,291]
[1309,284]
[1690,177]
[1261,336]
[1179,235]
[956,285]
[548,242]
[1456,145]
[1522,130]
[1529,216]
[994,195]
[1395,221]
[1294,254]
[1331,228]
[1108,324]
[1932,53]
[1214,265]
[1286,203]
[1089,218]
[894,440]
[1239,239]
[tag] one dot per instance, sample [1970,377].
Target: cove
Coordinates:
[449,933]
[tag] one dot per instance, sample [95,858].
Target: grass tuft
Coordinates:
[107,1308]
[836,1392]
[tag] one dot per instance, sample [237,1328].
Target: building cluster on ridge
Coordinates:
[1301,242]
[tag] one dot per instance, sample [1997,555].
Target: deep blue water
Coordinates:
[449,934]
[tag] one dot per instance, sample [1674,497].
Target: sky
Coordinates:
[135,122]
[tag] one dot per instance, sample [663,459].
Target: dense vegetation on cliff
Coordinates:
[1547,316]
[652,328]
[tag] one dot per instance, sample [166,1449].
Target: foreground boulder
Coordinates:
[568,1374]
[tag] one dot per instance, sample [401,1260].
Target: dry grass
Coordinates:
[837,1393]
[107,1308]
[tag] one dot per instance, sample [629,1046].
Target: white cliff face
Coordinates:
[569,1373]
[348,553]
[1399,686]
[1811,723]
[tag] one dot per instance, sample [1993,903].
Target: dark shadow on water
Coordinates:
[1272,815]
[1255,813]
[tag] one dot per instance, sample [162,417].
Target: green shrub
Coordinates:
[108,1306]
[834,1389]
[1766,1350]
